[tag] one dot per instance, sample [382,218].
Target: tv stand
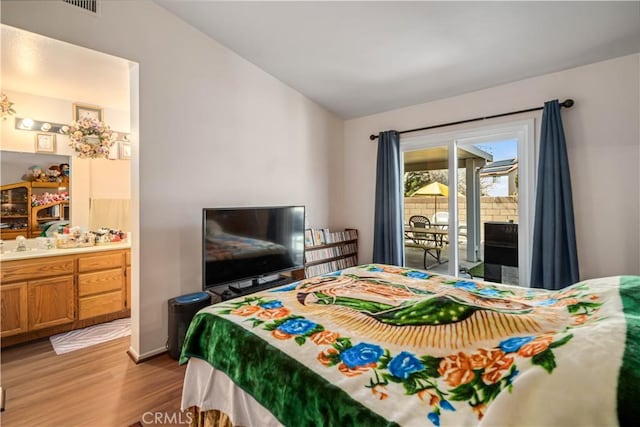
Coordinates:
[258,284]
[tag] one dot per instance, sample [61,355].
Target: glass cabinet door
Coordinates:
[14,211]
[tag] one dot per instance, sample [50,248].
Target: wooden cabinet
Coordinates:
[101,284]
[44,296]
[340,252]
[51,302]
[100,293]
[13,301]
[46,293]
[15,210]
[23,219]
[36,268]
[100,262]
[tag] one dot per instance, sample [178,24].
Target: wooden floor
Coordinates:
[96,386]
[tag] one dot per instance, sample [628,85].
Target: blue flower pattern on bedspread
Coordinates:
[361,355]
[470,286]
[404,364]
[271,304]
[511,345]
[297,326]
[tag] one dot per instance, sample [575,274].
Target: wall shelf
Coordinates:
[328,257]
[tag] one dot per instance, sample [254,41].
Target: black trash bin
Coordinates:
[501,252]
[181,311]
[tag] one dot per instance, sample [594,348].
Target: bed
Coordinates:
[382,345]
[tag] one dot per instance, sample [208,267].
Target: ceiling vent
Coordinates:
[88,5]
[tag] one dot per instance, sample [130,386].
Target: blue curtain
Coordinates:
[555,257]
[388,223]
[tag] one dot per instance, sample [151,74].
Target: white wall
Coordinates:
[214,131]
[603,144]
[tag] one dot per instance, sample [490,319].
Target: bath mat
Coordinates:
[92,335]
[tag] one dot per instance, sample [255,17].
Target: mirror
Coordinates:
[27,217]
[14,165]
[99,188]
[49,96]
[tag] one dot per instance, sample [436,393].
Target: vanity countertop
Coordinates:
[41,253]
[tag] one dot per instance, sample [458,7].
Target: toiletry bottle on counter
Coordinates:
[21,244]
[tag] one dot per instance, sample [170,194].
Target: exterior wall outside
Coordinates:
[500,209]
[213,130]
[603,145]
[500,184]
[491,208]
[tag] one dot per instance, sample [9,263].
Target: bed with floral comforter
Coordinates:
[381,345]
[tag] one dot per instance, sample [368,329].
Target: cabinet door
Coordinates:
[13,301]
[15,205]
[51,302]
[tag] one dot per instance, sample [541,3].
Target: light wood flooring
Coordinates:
[95,386]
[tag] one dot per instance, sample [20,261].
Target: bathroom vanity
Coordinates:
[44,292]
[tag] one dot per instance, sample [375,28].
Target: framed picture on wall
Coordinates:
[125,150]
[81,111]
[45,143]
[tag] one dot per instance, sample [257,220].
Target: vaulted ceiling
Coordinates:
[356,58]
[359,58]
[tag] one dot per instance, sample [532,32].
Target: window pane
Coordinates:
[426,208]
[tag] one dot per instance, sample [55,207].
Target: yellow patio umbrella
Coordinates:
[434,189]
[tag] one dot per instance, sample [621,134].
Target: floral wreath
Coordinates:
[79,133]
[6,107]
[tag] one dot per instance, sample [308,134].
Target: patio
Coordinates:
[470,161]
[414,258]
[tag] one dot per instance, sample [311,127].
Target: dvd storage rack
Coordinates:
[327,251]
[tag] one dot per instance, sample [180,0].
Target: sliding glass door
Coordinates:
[426,208]
[462,185]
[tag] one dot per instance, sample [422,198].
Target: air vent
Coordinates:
[88,5]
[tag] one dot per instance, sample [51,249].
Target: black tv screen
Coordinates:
[249,243]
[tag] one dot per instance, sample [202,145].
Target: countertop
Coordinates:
[41,253]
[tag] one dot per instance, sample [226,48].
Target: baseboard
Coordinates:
[139,358]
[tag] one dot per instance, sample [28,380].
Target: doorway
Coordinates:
[492,170]
[35,75]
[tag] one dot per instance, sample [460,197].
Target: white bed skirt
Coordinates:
[208,389]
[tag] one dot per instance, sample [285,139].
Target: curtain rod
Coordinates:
[567,104]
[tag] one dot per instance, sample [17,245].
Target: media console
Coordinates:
[234,290]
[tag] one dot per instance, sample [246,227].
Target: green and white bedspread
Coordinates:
[381,345]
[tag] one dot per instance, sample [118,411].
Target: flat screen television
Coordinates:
[241,244]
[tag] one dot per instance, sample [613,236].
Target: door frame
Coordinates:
[521,130]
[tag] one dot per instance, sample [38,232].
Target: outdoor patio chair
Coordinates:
[425,241]
[419,221]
